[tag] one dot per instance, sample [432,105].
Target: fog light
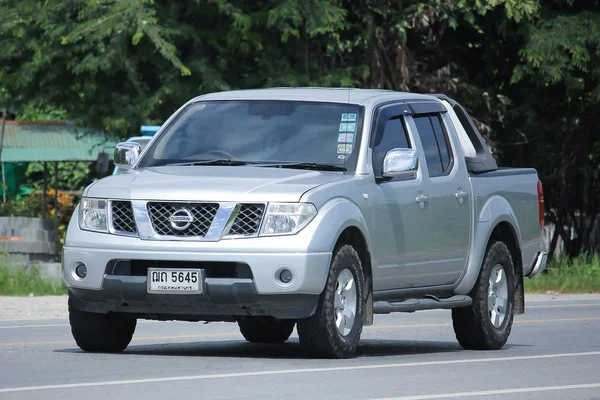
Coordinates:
[81,271]
[286,276]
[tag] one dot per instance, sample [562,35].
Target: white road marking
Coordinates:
[496,392]
[595,297]
[31,326]
[296,371]
[563,305]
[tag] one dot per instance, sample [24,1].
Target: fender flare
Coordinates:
[327,231]
[495,211]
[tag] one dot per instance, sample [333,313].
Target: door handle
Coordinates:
[461,195]
[421,198]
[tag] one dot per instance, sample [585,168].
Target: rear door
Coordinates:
[402,239]
[450,211]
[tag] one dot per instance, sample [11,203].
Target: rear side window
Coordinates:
[435,144]
[393,137]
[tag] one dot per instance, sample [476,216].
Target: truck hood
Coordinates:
[212,183]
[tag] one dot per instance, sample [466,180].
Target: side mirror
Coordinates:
[126,154]
[400,162]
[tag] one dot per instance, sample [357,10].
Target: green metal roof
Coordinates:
[52,141]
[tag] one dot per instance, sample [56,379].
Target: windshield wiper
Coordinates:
[219,161]
[306,165]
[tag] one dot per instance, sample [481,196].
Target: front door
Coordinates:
[401,244]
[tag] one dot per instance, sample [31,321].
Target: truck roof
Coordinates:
[333,95]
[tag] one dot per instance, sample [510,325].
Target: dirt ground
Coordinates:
[43,307]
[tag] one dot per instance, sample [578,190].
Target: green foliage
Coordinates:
[18,281]
[527,70]
[26,206]
[578,275]
[563,49]
[115,65]
[72,176]
[33,111]
[559,77]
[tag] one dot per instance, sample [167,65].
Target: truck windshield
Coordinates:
[260,132]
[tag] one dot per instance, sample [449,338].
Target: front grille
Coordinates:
[122,217]
[248,220]
[202,216]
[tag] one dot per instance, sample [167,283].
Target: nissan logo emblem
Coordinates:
[181,219]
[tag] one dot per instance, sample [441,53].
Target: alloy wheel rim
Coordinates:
[497,296]
[345,302]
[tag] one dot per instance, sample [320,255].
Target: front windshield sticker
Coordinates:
[346,138]
[347,127]
[344,148]
[346,135]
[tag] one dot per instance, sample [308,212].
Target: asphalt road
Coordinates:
[553,353]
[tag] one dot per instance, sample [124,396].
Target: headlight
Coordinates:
[287,218]
[93,215]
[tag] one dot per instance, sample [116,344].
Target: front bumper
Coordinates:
[223,300]
[310,269]
[226,295]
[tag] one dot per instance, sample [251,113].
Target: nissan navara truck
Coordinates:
[312,208]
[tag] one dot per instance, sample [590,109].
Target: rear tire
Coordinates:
[334,330]
[266,330]
[486,324]
[107,333]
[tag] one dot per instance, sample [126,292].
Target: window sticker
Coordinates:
[346,135]
[344,148]
[347,127]
[346,138]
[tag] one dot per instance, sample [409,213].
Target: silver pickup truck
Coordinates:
[315,208]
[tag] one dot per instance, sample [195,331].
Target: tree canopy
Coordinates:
[528,70]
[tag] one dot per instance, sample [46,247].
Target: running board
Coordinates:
[429,303]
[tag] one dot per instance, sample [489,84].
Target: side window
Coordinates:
[435,144]
[393,136]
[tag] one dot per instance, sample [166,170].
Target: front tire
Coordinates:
[487,323]
[266,330]
[107,333]
[335,328]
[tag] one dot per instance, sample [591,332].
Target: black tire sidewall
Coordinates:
[472,325]
[263,330]
[508,319]
[319,333]
[497,254]
[101,332]
[352,338]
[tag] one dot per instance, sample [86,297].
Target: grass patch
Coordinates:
[577,275]
[21,282]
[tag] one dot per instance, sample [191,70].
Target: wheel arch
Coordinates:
[505,233]
[495,220]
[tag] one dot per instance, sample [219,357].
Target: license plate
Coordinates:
[179,281]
